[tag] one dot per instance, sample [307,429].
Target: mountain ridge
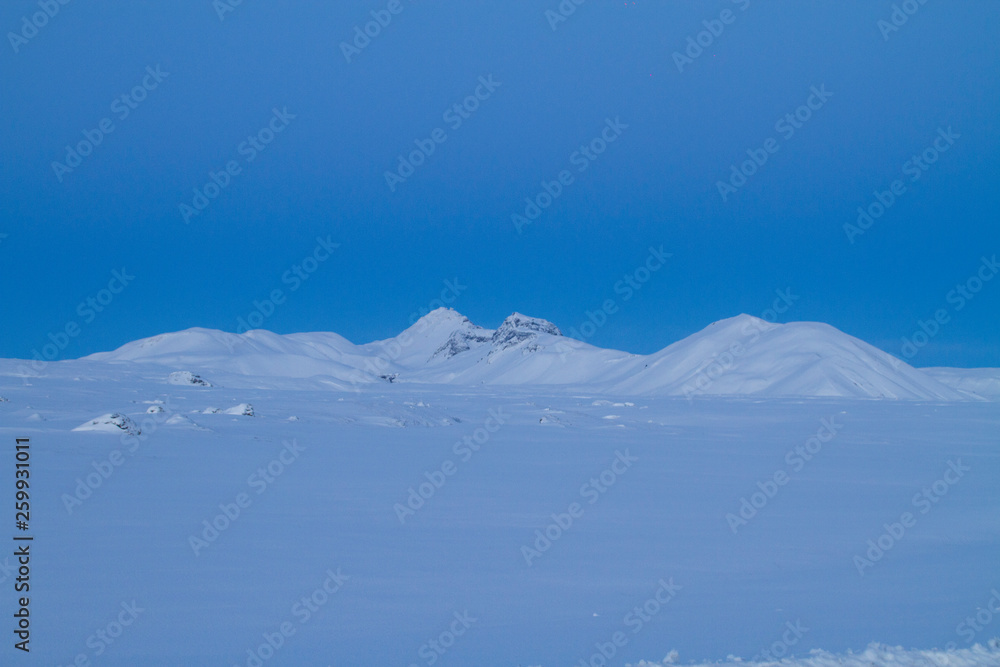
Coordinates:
[737,356]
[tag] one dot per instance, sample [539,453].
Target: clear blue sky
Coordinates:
[323,175]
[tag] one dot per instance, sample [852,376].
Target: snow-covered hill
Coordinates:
[981,382]
[739,356]
[745,355]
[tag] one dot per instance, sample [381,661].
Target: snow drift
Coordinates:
[876,655]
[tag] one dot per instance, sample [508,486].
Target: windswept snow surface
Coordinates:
[873,656]
[452,524]
[739,356]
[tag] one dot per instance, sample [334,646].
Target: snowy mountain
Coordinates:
[738,356]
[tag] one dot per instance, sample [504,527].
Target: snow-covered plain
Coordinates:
[510,497]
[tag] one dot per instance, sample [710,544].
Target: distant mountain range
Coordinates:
[739,356]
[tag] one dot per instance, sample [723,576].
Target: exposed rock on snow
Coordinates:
[522,332]
[113,422]
[519,328]
[187,377]
[243,409]
[462,340]
[519,321]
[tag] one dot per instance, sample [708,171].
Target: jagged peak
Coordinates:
[524,322]
[520,329]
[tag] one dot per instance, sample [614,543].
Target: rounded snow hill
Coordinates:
[255,353]
[747,356]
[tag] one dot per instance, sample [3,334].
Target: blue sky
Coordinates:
[279,73]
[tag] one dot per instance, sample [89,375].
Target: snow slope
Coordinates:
[981,382]
[739,356]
